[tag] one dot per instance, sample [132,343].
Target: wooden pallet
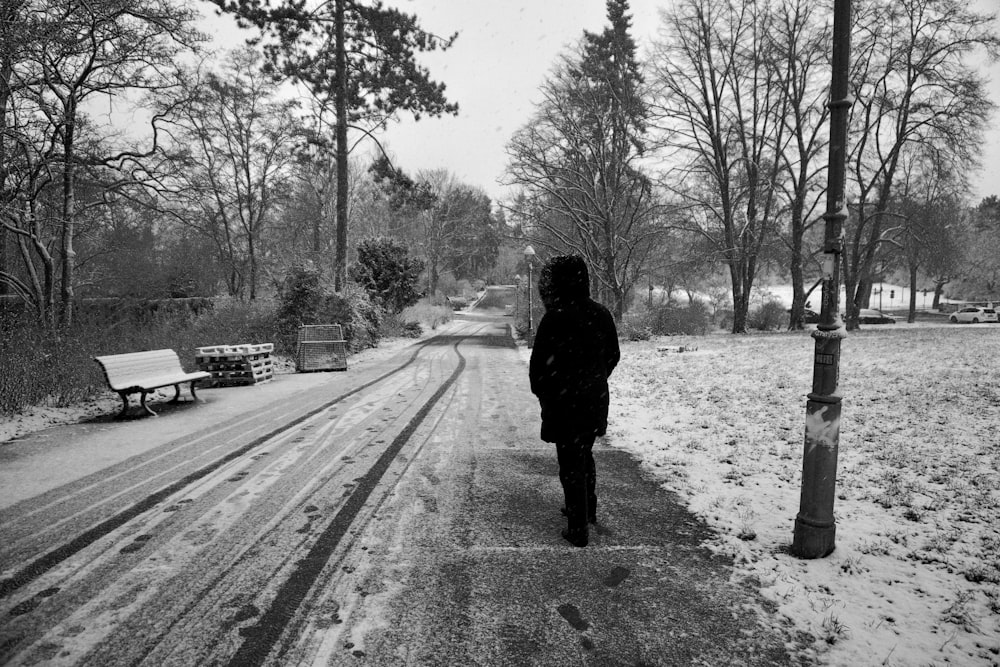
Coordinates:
[234,365]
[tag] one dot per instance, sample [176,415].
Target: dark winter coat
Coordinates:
[575,350]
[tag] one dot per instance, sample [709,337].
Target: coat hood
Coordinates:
[564,280]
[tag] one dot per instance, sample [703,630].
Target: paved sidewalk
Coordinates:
[465,563]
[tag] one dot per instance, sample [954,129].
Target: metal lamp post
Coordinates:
[529,253]
[517,296]
[815,526]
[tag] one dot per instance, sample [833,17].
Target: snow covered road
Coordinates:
[203,549]
[406,515]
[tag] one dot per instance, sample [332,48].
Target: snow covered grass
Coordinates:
[915,577]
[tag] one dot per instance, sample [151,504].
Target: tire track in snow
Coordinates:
[55,556]
[115,579]
[272,623]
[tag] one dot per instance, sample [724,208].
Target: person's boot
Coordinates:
[577,537]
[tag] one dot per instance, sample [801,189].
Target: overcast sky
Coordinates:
[504,51]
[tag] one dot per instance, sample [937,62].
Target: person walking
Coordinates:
[575,351]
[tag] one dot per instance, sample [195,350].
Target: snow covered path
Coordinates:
[410,518]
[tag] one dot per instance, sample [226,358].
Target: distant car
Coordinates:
[974,315]
[873,316]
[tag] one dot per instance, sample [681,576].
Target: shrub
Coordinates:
[387,273]
[636,328]
[305,300]
[725,318]
[39,365]
[354,310]
[233,322]
[669,319]
[429,315]
[396,326]
[769,316]
[300,299]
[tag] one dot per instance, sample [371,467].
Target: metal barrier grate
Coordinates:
[321,348]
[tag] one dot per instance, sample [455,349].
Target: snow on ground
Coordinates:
[914,578]
[40,417]
[892,297]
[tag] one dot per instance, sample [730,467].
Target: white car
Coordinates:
[974,315]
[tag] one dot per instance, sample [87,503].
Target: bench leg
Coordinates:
[194,396]
[124,410]
[177,394]
[144,406]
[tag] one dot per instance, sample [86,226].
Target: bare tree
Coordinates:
[70,53]
[800,37]
[714,69]
[912,87]
[929,235]
[579,161]
[455,226]
[233,141]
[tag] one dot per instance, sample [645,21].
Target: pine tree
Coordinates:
[579,161]
[357,56]
[387,272]
[610,68]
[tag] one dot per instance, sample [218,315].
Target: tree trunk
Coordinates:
[252,252]
[316,242]
[851,307]
[912,316]
[865,287]
[5,75]
[3,255]
[741,300]
[68,220]
[340,263]
[36,284]
[798,311]
[938,293]
[432,278]
[619,304]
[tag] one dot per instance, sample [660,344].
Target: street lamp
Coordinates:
[529,253]
[815,526]
[517,296]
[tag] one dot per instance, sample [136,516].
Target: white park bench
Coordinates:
[143,372]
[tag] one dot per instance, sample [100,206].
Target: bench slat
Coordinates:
[156,381]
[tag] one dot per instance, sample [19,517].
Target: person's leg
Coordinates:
[591,475]
[572,473]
